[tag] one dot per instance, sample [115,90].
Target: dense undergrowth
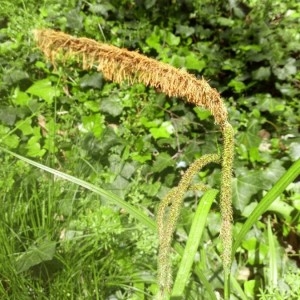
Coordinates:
[60,241]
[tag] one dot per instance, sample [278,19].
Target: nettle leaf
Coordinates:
[44,90]
[35,255]
[149,3]
[163,161]
[111,106]
[101,9]
[128,170]
[288,70]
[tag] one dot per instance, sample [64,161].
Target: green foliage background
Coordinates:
[59,241]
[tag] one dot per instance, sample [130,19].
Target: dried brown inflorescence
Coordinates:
[120,64]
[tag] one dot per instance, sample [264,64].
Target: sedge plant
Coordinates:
[120,65]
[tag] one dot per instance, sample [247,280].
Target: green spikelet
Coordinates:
[226,195]
[168,214]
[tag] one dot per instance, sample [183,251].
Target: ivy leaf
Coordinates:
[163,160]
[246,184]
[164,131]
[271,174]
[193,63]
[112,106]
[237,85]
[184,30]
[250,137]
[262,73]
[172,39]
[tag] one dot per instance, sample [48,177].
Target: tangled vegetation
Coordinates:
[122,147]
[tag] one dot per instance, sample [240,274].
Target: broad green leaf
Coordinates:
[94,80]
[172,39]
[271,174]
[177,61]
[163,160]
[153,41]
[25,126]
[34,148]
[111,106]
[246,184]
[93,106]
[294,151]
[237,85]
[141,158]
[8,115]
[164,131]
[193,63]
[44,89]
[92,124]
[35,254]
[184,30]
[14,76]
[11,141]
[262,73]
[74,19]
[250,138]
[21,98]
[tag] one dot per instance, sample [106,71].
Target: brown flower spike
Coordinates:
[121,65]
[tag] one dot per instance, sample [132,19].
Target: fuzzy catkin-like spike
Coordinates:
[226,195]
[166,221]
[120,64]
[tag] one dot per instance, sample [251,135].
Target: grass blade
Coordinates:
[193,242]
[289,176]
[273,272]
[139,215]
[117,201]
